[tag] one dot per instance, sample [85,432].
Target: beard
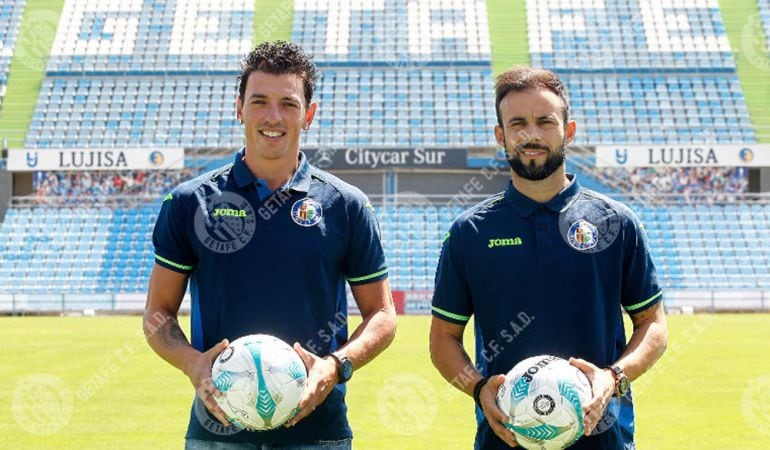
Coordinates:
[532,171]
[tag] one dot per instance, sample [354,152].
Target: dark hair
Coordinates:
[521,78]
[278,58]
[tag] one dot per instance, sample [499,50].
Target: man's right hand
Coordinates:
[495,417]
[199,372]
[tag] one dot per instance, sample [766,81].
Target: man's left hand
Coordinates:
[602,386]
[321,379]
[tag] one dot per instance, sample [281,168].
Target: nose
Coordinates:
[528,136]
[531,134]
[272,115]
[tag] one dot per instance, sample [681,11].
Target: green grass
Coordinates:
[747,39]
[272,20]
[30,57]
[123,396]
[508,33]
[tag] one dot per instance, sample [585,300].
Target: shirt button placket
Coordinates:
[541,224]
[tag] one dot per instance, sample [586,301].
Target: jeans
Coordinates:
[195,444]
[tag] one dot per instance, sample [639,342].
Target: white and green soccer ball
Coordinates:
[262,379]
[543,397]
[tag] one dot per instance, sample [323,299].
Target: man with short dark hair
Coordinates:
[546,267]
[267,243]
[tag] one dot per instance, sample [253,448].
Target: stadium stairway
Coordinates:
[746,23]
[508,34]
[27,67]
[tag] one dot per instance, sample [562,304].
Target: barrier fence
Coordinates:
[416,302]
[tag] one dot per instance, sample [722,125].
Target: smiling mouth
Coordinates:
[271,134]
[532,152]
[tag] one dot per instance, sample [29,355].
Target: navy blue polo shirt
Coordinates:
[273,263]
[547,278]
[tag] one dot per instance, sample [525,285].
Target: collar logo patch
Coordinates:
[583,235]
[306,212]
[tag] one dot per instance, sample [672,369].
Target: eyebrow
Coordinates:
[519,118]
[263,96]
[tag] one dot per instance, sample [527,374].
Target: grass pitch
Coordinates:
[93,383]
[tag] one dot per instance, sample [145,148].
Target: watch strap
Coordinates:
[618,375]
[341,361]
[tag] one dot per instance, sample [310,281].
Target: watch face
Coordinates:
[347,369]
[623,385]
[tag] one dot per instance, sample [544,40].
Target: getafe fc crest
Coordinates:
[589,225]
[306,212]
[583,235]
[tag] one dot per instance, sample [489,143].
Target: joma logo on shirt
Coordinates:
[508,242]
[229,212]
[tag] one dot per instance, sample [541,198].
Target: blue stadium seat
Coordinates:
[10,20]
[634,47]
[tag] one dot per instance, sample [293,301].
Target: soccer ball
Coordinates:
[261,379]
[544,396]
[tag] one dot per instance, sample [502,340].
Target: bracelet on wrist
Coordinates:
[477,391]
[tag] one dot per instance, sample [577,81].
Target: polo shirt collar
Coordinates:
[299,182]
[525,206]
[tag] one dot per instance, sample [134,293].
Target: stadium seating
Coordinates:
[104,250]
[357,107]
[114,77]
[158,36]
[643,71]
[138,74]
[395,73]
[389,91]
[10,19]
[628,34]
[136,111]
[710,247]
[395,108]
[398,73]
[660,108]
[689,253]
[397,31]
[97,250]
[379,107]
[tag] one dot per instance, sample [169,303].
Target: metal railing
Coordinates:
[406,199]
[418,302]
[662,200]
[106,201]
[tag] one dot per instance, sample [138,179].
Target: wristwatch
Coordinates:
[622,383]
[344,367]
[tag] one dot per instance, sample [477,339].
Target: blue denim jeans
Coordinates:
[195,444]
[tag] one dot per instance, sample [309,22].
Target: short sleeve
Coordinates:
[641,289]
[451,295]
[364,261]
[170,238]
